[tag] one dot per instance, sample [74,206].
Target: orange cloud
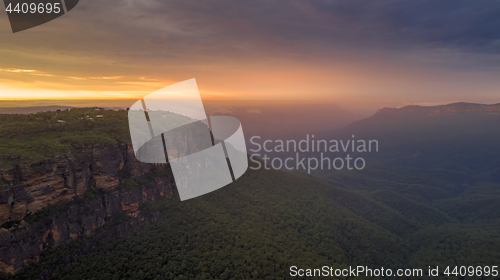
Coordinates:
[18,70]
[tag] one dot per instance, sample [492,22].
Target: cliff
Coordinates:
[49,203]
[27,189]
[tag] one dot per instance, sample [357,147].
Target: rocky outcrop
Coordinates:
[78,219]
[27,189]
[49,203]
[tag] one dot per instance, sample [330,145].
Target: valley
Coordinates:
[428,198]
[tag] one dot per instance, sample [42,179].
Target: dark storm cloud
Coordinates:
[472,26]
[463,34]
[444,31]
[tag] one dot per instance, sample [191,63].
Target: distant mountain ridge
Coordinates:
[449,109]
[461,137]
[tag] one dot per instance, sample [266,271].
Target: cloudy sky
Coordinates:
[383,52]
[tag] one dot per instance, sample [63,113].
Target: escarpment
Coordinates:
[50,203]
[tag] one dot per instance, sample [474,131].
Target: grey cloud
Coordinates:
[469,27]
[188,30]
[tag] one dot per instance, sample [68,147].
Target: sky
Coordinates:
[357,53]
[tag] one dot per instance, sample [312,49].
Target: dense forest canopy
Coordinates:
[28,138]
[256,228]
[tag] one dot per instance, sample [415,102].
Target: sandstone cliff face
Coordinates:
[78,220]
[28,192]
[27,189]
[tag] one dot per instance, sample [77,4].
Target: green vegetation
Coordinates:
[138,181]
[396,216]
[29,138]
[256,229]
[267,221]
